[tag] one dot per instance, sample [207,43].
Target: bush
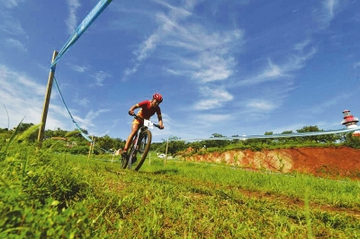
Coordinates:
[23,217]
[42,197]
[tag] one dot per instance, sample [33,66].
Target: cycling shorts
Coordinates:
[138,121]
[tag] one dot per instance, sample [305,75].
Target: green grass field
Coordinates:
[48,195]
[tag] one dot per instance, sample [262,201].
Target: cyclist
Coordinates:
[148,109]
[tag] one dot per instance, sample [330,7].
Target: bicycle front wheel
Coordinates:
[125,157]
[123,161]
[138,155]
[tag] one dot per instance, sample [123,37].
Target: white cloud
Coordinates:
[58,117]
[100,77]
[273,72]
[23,97]
[215,98]
[78,68]
[16,44]
[12,27]
[146,47]
[10,3]
[84,102]
[213,117]
[8,77]
[270,73]
[178,11]
[71,21]
[302,45]
[356,65]
[330,5]
[211,51]
[87,122]
[331,101]
[207,104]
[211,67]
[327,13]
[129,71]
[261,105]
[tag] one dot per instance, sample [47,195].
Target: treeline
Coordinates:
[176,146]
[73,142]
[65,141]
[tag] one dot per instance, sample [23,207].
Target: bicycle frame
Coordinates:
[136,143]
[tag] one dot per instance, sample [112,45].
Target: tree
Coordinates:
[329,138]
[352,141]
[175,145]
[24,126]
[118,143]
[267,141]
[196,146]
[105,142]
[216,143]
[59,133]
[284,140]
[217,135]
[235,140]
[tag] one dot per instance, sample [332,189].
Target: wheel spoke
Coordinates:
[136,157]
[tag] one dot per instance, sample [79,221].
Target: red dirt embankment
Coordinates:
[326,162]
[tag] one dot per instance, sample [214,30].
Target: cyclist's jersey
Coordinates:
[146,110]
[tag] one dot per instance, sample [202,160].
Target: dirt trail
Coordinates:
[323,162]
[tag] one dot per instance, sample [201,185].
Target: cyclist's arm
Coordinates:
[138,105]
[131,110]
[161,124]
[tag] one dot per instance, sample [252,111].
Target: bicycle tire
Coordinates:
[125,158]
[123,161]
[144,147]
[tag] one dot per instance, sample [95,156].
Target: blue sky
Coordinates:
[232,67]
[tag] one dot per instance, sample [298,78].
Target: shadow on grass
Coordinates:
[164,171]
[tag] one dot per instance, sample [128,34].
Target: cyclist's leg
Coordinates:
[124,153]
[134,127]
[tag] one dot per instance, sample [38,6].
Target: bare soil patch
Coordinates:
[336,162]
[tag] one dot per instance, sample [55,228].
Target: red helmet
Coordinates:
[158,97]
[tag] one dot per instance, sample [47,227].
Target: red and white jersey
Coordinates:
[146,110]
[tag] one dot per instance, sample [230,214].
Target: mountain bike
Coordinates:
[140,145]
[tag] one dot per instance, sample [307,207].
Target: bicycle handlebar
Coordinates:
[138,117]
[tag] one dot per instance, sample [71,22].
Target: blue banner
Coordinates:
[272,136]
[77,126]
[95,12]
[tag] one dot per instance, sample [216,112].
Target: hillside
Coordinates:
[328,162]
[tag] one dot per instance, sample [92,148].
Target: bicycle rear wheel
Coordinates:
[139,153]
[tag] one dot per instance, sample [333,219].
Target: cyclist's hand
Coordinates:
[161,126]
[131,112]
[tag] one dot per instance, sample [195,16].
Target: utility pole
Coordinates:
[46,102]
[91,148]
[166,150]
